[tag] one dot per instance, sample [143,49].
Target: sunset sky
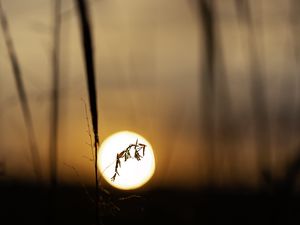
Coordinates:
[148,57]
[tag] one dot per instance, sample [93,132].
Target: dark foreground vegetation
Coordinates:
[27,204]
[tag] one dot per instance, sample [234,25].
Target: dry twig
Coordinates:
[126,155]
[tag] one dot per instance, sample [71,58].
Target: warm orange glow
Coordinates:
[133,173]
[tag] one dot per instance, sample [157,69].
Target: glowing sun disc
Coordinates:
[133,173]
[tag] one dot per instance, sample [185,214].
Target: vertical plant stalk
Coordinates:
[206,16]
[226,130]
[54,110]
[294,19]
[55,94]
[258,93]
[22,95]
[87,44]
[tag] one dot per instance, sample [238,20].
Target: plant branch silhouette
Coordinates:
[126,155]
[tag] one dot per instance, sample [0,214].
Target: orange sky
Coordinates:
[147,55]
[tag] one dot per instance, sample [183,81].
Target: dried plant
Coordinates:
[126,155]
[87,44]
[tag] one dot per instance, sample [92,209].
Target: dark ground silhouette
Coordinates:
[27,204]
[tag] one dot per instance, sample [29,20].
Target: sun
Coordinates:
[133,173]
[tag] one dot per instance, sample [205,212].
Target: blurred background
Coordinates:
[213,85]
